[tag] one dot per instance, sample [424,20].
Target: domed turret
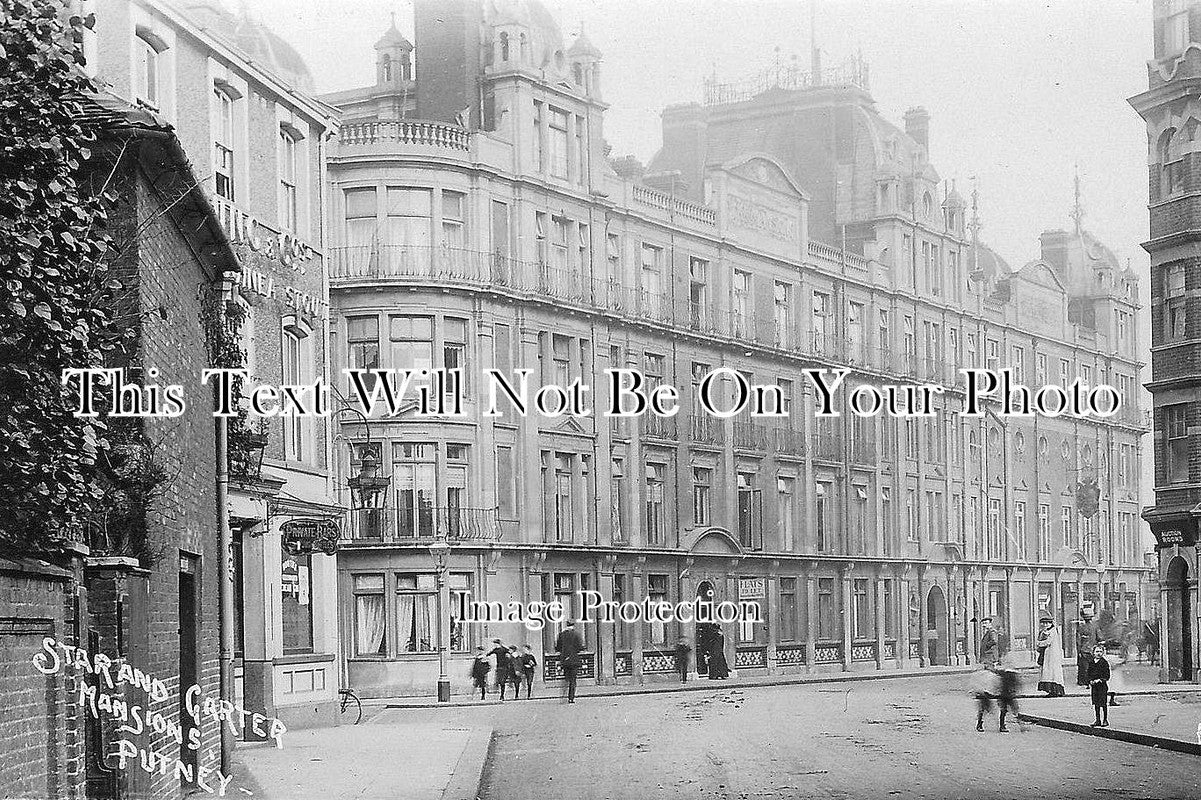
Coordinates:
[393,57]
[585,64]
[261,43]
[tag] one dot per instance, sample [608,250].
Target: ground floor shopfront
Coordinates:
[820,613]
[1179,596]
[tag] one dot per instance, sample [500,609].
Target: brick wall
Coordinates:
[42,754]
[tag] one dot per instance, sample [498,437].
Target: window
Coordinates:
[370,637]
[460,597]
[652,262]
[782,314]
[617,500]
[656,513]
[861,610]
[1171,162]
[702,487]
[453,205]
[1065,526]
[886,527]
[1017,361]
[297,348]
[972,356]
[540,238]
[911,512]
[296,602]
[413,470]
[416,623]
[742,301]
[584,248]
[361,223]
[581,151]
[826,628]
[560,233]
[698,291]
[786,508]
[750,512]
[890,609]
[288,209]
[563,498]
[412,345]
[223,144]
[992,357]
[1065,372]
[1040,369]
[1175,28]
[1176,427]
[882,335]
[613,256]
[788,610]
[656,590]
[821,310]
[996,541]
[506,494]
[1175,318]
[855,332]
[786,394]
[408,224]
[454,355]
[1044,532]
[539,139]
[623,634]
[909,343]
[362,345]
[146,72]
[1018,534]
[1122,323]
[558,143]
[822,502]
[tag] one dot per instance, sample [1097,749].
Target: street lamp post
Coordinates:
[440,550]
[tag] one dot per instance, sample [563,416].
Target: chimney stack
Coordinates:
[917,125]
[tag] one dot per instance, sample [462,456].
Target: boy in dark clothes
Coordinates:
[528,665]
[1098,682]
[515,671]
[502,665]
[479,672]
[1008,687]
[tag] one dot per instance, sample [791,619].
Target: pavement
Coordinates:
[375,760]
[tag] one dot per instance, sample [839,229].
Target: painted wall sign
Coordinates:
[752,588]
[264,285]
[244,229]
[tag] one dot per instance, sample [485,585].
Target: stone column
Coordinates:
[687,589]
[606,632]
[638,590]
[809,582]
[731,636]
[846,611]
[879,609]
[903,575]
[772,623]
[923,651]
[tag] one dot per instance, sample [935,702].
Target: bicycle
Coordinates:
[350,708]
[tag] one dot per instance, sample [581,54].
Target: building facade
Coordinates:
[240,100]
[478,222]
[1171,107]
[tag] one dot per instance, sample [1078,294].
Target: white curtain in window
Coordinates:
[369,629]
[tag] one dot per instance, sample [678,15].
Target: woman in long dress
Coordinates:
[1050,659]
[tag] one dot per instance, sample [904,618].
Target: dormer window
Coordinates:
[504,47]
[147,69]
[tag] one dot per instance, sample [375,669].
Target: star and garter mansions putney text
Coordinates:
[723,392]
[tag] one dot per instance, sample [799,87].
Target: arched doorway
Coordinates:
[1180,633]
[707,633]
[937,635]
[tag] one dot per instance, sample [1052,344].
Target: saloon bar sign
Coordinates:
[308,534]
[1181,531]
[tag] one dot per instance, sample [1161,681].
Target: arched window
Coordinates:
[385,66]
[577,73]
[504,47]
[1171,163]
[927,205]
[525,53]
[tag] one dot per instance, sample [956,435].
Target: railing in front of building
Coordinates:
[706,429]
[863,651]
[827,653]
[405,131]
[789,655]
[552,666]
[750,657]
[424,524]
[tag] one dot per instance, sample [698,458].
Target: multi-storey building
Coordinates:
[1171,107]
[238,98]
[477,222]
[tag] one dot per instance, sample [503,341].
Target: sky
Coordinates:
[1021,93]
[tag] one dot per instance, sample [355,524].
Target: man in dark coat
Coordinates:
[990,645]
[569,645]
[682,653]
[501,654]
[1086,640]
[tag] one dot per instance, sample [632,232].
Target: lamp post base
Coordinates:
[444,690]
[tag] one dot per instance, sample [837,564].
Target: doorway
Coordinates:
[937,638]
[1180,634]
[189,658]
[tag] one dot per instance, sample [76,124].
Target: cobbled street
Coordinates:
[909,738]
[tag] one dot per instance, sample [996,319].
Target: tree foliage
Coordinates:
[55,283]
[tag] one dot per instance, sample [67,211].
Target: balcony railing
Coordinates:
[706,429]
[827,446]
[413,132]
[789,441]
[750,436]
[659,427]
[425,523]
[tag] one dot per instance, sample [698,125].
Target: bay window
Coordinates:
[370,631]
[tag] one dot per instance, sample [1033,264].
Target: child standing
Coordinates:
[515,671]
[528,665]
[479,672]
[1098,681]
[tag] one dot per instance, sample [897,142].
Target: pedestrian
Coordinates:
[1150,639]
[990,645]
[1117,684]
[479,671]
[984,688]
[1050,659]
[514,662]
[528,665]
[501,654]
[1086,640]
[1009,685]
[569,645]
[682,653]
[719,668]
[1098,681]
